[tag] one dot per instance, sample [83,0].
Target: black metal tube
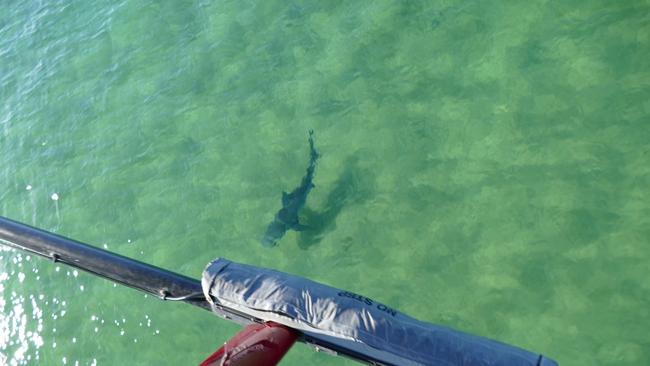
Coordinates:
[126,271]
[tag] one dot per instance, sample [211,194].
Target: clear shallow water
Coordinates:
[485,166]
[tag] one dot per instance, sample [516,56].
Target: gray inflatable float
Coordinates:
[350,323]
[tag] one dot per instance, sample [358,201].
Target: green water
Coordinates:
[485,165]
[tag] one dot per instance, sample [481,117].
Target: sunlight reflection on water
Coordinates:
[21,319]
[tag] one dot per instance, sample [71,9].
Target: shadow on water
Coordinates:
[354,186]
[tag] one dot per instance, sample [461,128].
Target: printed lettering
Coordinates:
[386,309]
[359,298]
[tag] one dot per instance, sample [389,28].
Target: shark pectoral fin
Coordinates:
[286,197]
[299,227]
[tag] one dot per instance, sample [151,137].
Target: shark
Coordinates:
[287,218]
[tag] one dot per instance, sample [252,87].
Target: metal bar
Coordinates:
[126,271]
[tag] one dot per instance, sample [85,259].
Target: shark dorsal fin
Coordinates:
[286,197]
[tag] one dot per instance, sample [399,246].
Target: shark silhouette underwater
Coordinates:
[287,218]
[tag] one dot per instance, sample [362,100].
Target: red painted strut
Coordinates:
[255,345]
